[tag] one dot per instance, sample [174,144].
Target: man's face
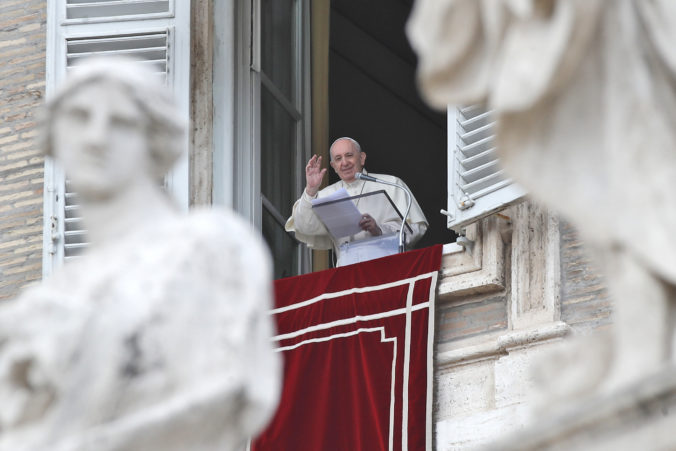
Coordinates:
[99,136]
[346,160]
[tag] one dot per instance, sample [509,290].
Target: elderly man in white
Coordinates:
[347,159]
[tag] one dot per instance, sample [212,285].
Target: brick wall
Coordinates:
[22,87]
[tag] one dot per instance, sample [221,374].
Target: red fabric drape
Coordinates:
[357,345]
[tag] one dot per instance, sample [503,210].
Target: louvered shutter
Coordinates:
[105,9]
[153,31]
[150,48]
[477,186]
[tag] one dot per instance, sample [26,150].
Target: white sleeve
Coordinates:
[307,226]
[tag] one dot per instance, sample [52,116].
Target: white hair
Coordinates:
[346,138]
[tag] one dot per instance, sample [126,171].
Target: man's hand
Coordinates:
[314,174]
[369,224]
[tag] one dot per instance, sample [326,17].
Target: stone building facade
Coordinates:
[524,283]
[22,89]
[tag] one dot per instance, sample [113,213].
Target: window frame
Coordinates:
[247,196]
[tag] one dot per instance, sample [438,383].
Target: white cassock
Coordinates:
[310,230]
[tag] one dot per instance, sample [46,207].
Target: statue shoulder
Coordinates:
[218,232]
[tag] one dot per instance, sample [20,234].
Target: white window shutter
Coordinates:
[477,186]
[151,48]
[157,32]
[106,9]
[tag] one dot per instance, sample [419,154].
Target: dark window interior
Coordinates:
[373,99]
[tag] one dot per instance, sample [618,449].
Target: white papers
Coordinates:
[368,249]
[340,218]
[341,193]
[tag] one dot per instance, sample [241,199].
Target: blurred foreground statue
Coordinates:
[584,93]
[158,338]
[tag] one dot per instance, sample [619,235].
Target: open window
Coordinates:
[272,136]
[153,31]
[477,186]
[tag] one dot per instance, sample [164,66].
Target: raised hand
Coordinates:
[314,174]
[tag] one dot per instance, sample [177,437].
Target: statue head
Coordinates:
[112,122]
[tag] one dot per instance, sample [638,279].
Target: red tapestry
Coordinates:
[357,344]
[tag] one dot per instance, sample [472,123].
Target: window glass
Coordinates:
[281,119]
[278,154]
[282,246]
[278,46]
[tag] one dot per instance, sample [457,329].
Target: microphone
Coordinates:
[362,176]
[409,196]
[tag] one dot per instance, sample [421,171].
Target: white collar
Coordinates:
[356,181]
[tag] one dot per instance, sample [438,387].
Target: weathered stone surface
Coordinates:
[571,85]
[583,92]
[474,431]
[159,337]
[466,389]
[489,342]
[639,416]
[22,88]
[156,338]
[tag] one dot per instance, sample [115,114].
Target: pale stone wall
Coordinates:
[526,284]
[22,87]
[584,299]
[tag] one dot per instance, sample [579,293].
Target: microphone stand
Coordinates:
[409,195]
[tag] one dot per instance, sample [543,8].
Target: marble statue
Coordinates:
[584,96]
[158,338]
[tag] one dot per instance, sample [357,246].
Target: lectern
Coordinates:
[343,226]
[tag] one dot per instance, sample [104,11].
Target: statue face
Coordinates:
[99,136]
